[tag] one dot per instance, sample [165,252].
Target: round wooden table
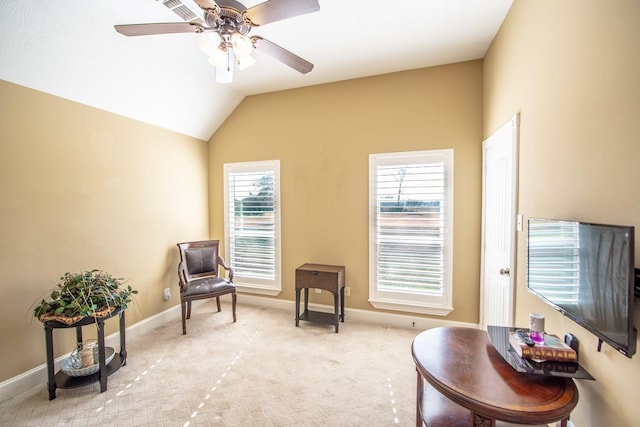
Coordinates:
[473,385]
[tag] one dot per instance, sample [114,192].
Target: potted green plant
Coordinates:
[92,293]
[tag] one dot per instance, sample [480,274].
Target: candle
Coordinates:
[536,327]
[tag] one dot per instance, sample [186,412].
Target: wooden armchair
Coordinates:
[198,274]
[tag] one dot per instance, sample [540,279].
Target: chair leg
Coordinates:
[233,306]
[184,318]
[218,302]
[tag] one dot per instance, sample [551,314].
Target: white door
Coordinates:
[499,185]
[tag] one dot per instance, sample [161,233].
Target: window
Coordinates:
[410,234]
[252,224]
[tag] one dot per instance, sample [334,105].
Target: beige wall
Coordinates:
[81,189]
[323,136]
[571,69]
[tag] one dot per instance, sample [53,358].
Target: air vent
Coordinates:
[172,3]
[187,10]
[185,13]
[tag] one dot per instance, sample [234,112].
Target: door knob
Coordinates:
[504,271]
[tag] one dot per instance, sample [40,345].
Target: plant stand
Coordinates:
[61,379]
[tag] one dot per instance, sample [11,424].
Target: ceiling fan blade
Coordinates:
[207,4]
[163,28]
[276,10]
[282,55]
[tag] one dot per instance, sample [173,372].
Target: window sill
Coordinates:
[257,289]
[410,307]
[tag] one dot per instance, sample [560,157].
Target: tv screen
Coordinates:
[586,272]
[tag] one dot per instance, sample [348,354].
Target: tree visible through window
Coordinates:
[410,230]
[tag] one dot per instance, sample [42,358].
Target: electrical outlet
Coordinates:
[167,294]
[347,291]
[318,291]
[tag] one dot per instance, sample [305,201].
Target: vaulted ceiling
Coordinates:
[69,48]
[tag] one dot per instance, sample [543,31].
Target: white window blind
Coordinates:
[410,238]
[253,224]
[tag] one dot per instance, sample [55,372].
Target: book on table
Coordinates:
[553,348]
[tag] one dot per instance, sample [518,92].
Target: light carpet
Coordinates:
[259,371]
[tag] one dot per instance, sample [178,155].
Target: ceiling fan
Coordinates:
[225,37]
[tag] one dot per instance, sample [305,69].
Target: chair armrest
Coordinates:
[228,268]
[183,277]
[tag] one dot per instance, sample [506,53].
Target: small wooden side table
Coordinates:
[62,380]
[320,276]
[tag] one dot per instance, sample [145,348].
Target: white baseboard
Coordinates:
[38,375]
[366,316]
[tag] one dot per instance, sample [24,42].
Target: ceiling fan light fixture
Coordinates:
[208,42]
[219,58]
[242,45]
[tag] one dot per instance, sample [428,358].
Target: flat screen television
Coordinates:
[586,271]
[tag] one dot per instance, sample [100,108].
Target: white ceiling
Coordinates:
[70,49]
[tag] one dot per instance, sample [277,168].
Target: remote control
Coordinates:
[526,338]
